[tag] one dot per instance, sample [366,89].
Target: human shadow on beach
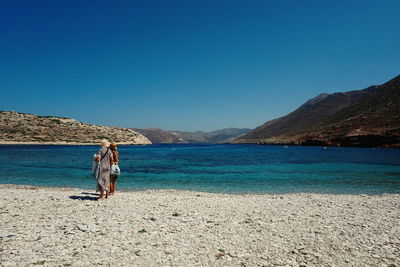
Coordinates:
[84,197]
[87,193]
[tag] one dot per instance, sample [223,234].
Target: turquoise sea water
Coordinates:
[212,168]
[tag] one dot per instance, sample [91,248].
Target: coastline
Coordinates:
[170,190]
[66,227]
[63,143]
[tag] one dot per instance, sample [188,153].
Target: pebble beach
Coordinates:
[69,227]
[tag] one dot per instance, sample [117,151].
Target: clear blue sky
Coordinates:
[190,65]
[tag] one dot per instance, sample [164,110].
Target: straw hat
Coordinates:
[105,143]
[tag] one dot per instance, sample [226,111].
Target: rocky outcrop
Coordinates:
[367,118]
[156,135]
[23,128]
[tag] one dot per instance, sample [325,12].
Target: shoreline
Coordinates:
[163,190]
[67,227]
[4,143]
[61,143]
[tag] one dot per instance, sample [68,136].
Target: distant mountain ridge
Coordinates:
[25,128]
[308,114]
[369,117]
[156,135]
[365,118]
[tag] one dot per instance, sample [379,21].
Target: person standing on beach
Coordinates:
[105,159]
[113,178]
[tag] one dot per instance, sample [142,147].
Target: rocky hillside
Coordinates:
[225,135]
[369,117]
[309,114]
[158,136]
[219,136]
[23,128]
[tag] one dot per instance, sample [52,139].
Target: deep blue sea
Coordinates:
[212,168]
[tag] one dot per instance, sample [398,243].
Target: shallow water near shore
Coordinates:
[212,168]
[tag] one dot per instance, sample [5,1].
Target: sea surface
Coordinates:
[211,168]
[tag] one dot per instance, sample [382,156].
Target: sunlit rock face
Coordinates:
[23,128]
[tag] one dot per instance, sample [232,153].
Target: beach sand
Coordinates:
[66,227]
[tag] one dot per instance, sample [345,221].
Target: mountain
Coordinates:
[225,135]
[156,135]
[24,128]
[307,115]
[369,117]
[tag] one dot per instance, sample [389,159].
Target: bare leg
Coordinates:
[101,194]
[112,185]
